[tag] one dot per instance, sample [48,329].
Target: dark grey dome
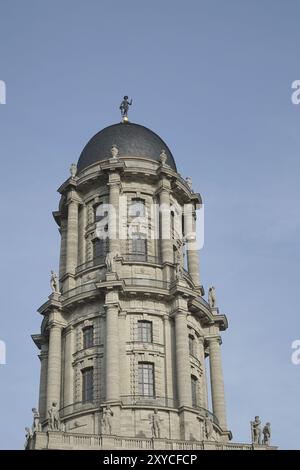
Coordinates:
[131,139]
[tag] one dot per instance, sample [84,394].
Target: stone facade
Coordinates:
[109,411]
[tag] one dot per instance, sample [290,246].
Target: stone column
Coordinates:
[112,353]
[72,236]
[68,367]
[54,365]
[63,248]
[191,245]
[204,394]
[165,232]
[182,359]
[113,213]
[43,381]
[81,235]
[168,358]
[216,378]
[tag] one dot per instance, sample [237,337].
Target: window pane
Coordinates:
[137,208]
[99,248]
[139,246]
[87,384]
[88,337]
[145,331]
[146,379]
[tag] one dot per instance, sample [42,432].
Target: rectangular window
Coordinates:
[194,384]
[137,208]
[87,384]
[99,250]
[191,345]
[139,247]
[100,213]
[88,337]
[146,379]
[145,331]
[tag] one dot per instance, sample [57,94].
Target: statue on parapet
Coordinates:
[155,424]
[36,427]
[54,419]
[212,300]
[256,430]
[266,434]
[73,170]
[28,436]
[114,151]
[208,427]
[54,283]
[163,157]
[106,421]
[110,261]
[189,182]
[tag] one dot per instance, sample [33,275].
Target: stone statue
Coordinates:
[73,170]
[106,424]
[54,282]
[124,107]
[179,264]
[266,434]
[155,424]
[163,157]
[28,436]
[54,419]
[36,427]
[114,151]
[189,182]
[212,297]
[110,261]
[256,430]
[208,427]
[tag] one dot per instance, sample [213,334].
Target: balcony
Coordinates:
[93,263]
[142,400]
[145,282]
[141,258]
[72,440]
[79,290]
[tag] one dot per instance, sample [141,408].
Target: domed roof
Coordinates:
[131,139]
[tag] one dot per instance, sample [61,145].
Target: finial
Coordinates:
[124,107]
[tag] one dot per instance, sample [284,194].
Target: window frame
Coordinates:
[138,202]
[88,344]
[146,387]
[145,331]
[87,388]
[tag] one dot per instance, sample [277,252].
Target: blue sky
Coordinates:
[213,78]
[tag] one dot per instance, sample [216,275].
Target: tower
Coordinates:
[127,337]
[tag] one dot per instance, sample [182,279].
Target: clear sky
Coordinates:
[213,78]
